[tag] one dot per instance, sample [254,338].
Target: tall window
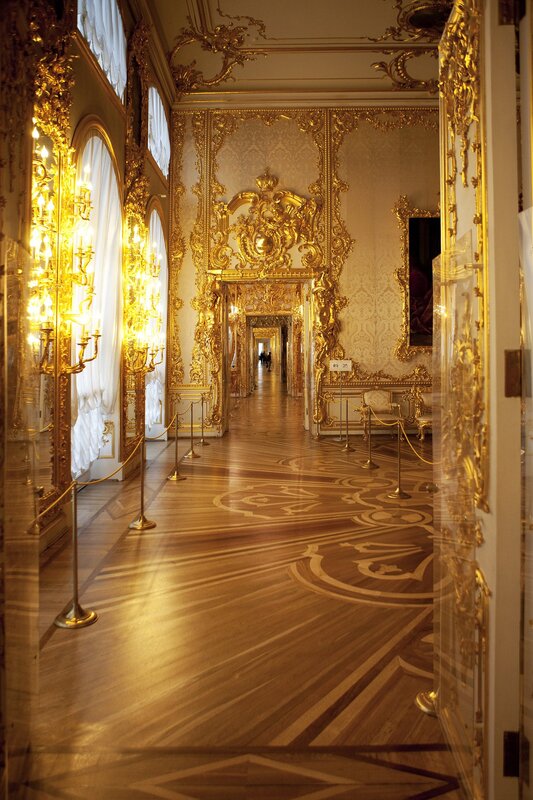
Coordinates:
[158,136]
[95,389]
[101,24]
[155,381]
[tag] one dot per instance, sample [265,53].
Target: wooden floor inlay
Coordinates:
[266,640]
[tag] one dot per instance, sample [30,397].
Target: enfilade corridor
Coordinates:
[265,641]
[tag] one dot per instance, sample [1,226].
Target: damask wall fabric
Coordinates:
[378,167]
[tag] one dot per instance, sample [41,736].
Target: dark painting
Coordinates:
[424,246]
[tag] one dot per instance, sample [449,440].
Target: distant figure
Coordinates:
[268,360]
[262,357]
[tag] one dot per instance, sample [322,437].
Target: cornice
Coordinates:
[217,100]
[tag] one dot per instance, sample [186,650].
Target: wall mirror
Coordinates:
[420,244]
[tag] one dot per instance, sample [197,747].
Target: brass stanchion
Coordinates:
[76,616]
[202,440]
[347,448]
[427,702]
[142,523]
[190,453]
[339,437]
[175,474]
[369,464]
[398,493]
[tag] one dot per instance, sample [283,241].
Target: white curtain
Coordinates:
[101,24]
[158,136]
[155,381]
[95,389]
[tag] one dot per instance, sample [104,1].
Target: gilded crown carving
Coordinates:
[261,239]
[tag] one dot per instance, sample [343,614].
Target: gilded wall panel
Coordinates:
[188,211]
[378,161]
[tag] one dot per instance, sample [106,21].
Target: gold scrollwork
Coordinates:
[226,40]
[175,373]
[403,211]
[418,19]
[136,194]
[277,220]
[396,69]
[459,75]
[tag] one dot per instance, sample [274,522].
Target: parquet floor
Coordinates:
[266,640]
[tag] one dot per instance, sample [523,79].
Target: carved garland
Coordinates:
[175,374]
[460,89]
[136,195]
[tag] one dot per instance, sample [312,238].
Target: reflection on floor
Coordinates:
[266,640]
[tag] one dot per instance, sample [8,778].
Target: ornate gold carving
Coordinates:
[267,298]
[419,19]
[277,220]
[404,350]
[396,69]
[460,90]
[227,41]
[175,374]
[52,76]
[135,201]
[459,75]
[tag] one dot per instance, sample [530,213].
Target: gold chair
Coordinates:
[423,412]
[380,402]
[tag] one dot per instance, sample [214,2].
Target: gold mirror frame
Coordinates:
[405,351]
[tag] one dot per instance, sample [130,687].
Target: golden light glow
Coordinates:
[62,280]
[143,335]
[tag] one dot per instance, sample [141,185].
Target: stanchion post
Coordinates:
[175,474]
[141,523]
[347,448]
[369,464]
[339,437]
[428,702]
[190,453]
[398,493]
[76,616]
[202,440]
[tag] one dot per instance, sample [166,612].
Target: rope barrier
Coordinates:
[155,438]
[54,503]
[107,477]
[417,454]
[46,428]
[382,422]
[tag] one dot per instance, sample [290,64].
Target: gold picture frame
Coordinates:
[419,246]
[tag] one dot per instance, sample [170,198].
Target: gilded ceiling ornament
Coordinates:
[276,221]
[396,69]
[227,41]
[417,20]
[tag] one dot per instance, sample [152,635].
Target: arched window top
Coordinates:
[158,135]
[101,24]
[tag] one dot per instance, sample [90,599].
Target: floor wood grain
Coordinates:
[266,640]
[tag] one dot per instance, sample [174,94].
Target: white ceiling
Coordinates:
[307,51]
